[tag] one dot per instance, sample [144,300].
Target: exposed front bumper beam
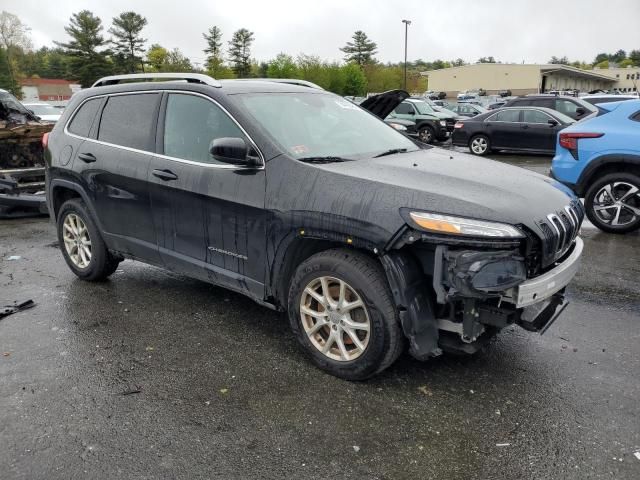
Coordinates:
[540,288]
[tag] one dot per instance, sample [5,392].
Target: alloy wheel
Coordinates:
[335,318]
[617,204]
[77,242]
[425,135]
[479,145]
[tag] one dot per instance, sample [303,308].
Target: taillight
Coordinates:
[45,140]
[458,125]
[569,140]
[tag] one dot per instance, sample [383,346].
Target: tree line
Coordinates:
[93,51]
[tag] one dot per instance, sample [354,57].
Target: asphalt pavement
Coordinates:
[154,375]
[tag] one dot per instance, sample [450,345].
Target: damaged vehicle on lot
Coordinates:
[310,205]
[21,156]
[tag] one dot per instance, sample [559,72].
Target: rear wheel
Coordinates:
[426,134]
[479,145]
[81,243]
[613,203]
[343,314]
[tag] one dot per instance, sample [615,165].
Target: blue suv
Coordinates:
[599,159]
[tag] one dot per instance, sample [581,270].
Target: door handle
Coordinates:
[164,174]
[87,157]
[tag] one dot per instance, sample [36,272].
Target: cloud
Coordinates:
[512,31]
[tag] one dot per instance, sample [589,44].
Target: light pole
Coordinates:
[406,31]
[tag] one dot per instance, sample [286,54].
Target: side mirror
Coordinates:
[580,111]
[552,122]
[233,150]
[411,112]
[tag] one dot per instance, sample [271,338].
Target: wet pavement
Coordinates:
[154,375]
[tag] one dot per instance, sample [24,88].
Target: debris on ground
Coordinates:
[14,257]
[224,390]
[132,392]
[424,390]
[502,444]
[16,307]
[356,448]
[637,454]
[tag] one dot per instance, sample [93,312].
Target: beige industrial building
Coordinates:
[523,79]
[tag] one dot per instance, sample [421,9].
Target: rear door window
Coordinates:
[506,116]
[83,119]
[128,120]
[191,124]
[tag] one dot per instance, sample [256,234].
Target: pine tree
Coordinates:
[361,50]
[213,51]
[240,52]
[127,41]
[88,62]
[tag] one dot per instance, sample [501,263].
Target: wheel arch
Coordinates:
[62,190]
[604,165]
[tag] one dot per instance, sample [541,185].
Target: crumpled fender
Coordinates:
[415,307]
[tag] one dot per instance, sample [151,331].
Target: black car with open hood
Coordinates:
[310,205]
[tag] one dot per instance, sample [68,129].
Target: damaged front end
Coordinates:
[454,294]
[21,158]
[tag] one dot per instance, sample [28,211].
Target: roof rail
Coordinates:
[188,77]
[292,81]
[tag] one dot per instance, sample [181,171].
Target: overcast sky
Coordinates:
[510,30]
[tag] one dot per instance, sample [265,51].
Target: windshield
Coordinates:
[423,107]
[322,125]
[42,109]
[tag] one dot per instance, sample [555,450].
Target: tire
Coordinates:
[625,204]
[100,264]
[480,145]
[364,281]
[426,134]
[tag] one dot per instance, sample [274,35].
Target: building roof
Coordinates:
[36,81]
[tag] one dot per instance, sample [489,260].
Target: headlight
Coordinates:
[435,222]
[397,126]
[443,123]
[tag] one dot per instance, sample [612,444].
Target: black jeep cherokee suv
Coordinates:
[311,205]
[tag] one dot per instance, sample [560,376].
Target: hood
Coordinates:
[382,105]
[438,180]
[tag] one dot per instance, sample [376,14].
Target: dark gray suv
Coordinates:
[312,206]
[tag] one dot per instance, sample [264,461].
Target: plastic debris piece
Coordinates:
[14,257]
[224,390]
[356,448]
[637,454]
[502,444]
[424,390]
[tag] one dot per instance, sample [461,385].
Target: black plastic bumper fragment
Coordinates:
[415,309]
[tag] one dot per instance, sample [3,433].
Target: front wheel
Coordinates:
[480,145]
[613,203]
[426,135]
[342,313]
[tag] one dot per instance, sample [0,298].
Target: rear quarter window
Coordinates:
[83,118]
[128,120]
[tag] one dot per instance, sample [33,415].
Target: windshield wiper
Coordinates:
[393,151]
[327,159]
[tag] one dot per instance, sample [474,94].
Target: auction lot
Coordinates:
[153,375]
